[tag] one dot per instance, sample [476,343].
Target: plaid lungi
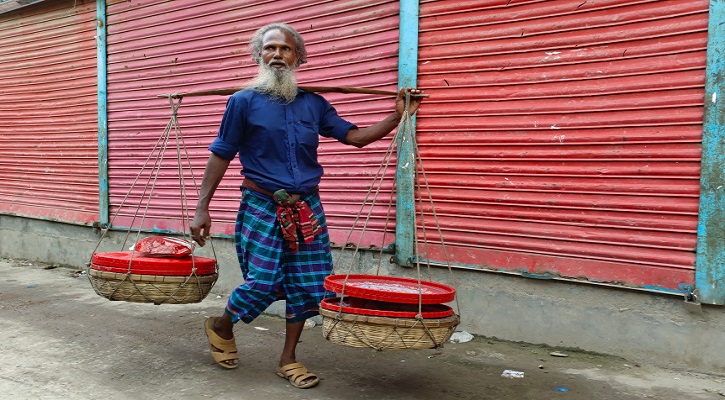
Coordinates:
[271,272]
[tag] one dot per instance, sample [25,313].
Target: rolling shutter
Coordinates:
[48,112]
[562,138]
[161,47]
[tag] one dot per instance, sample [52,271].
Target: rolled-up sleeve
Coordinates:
[226,144]
[332,125]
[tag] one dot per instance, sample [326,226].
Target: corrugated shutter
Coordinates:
[48,112]
[171,47]
[562,138]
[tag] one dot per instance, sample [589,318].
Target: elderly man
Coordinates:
[281,236]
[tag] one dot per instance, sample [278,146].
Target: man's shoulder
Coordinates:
[242,99]
[246,97]
[244,94]
[312,97]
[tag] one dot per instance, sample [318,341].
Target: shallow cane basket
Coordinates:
[386,333]
[157,289]
[385,312]
[381,313]
[157,269]
[152,280]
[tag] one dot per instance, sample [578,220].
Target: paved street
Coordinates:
[62,341]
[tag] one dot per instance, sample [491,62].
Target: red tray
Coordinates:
[390,289]
[353,305]
[119,261]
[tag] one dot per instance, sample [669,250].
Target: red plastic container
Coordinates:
[352,305]
[390,289]
[178,266]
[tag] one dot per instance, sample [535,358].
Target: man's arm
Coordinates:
[363,137]
[213,174]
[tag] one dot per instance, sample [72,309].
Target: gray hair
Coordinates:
[255,44]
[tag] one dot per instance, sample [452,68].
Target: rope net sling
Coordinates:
[150,288]
[385,333]
[353,330]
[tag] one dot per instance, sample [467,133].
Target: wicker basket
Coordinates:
[157,289]
[384,333]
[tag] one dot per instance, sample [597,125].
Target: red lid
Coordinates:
[353,305]
[178,266]
[390,289]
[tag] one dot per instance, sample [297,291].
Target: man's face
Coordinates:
[279,50]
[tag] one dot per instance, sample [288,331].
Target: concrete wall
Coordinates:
[639,326]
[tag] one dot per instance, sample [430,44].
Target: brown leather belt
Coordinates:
[249,184]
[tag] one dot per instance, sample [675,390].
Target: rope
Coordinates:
[435,217]
[159,141]
[159,149]
[380,174]
[405,128]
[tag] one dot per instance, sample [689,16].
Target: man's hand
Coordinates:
[415,99]
[200,227]
[213,174]
[363,137]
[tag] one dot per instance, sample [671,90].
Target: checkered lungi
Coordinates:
[270,271]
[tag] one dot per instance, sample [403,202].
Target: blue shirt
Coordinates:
[277,143]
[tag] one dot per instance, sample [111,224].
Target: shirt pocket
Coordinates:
[307,133]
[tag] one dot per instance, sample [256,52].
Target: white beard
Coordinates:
[279,83]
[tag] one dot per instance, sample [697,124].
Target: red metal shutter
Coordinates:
[160,47]
[562,138]
[48,112]
[7,6]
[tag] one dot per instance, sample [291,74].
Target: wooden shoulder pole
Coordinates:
[317,89]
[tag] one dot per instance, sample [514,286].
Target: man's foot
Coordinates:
[224,351]
[298,376]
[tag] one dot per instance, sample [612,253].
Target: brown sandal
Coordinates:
[222,350]
[296,373]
